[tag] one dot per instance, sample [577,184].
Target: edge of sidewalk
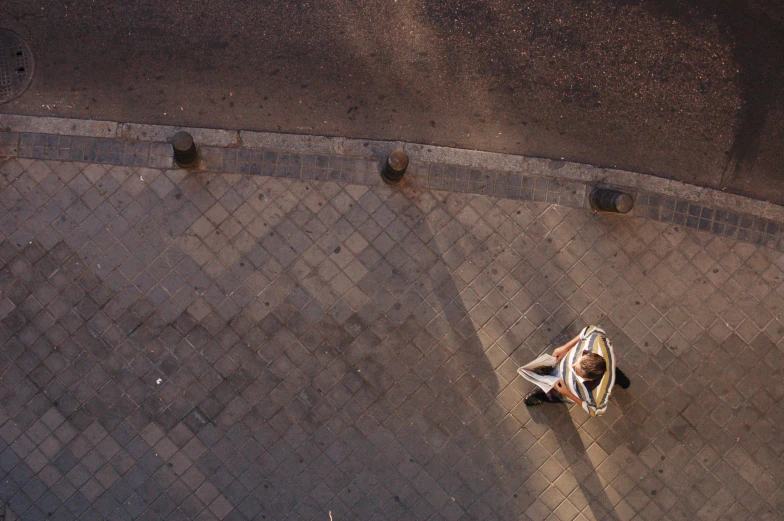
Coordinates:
[374,149]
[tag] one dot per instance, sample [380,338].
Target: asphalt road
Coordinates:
[683,90]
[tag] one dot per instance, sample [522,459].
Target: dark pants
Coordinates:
[552,396]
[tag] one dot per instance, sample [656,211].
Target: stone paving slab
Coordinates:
[222,346]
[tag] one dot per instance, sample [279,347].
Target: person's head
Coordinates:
[590,366]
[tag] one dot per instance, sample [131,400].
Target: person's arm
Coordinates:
[560,352]
[588,407]
[561,387]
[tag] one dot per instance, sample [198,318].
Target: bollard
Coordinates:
[606,200]
[394,167]
[185,154]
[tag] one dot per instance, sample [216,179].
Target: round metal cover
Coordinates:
[16,65]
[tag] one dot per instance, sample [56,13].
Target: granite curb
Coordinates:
[561,172]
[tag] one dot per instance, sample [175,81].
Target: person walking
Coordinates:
[584,373]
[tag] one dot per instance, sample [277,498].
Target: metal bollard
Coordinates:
[606,200]
[394,167]
[185,154]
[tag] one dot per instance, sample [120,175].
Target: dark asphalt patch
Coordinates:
[682,90]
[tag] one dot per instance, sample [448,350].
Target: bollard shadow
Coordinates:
[503,450]
[438,427]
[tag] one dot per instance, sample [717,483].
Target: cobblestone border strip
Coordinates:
[721,222]
[422,175]
[88,149]
[374,149]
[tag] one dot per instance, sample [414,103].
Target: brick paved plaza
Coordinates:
[202,346]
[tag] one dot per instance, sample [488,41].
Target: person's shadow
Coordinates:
[578,452]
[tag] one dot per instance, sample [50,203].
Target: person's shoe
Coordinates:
[535,397]
[621,379]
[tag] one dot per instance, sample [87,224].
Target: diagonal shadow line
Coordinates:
[475,388]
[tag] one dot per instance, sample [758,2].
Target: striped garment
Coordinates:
[592,339]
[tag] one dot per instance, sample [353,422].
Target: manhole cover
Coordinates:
[16,65]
